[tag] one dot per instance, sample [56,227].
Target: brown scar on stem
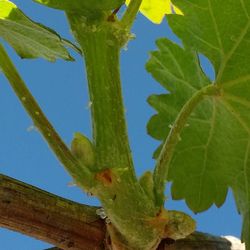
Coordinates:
[111,18]
[159,221]
[105,177]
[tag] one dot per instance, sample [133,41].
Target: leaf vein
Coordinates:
[175,62]
[231,52]
[216,29]
[166,71]
[244,8]
[238,100]
[236,116]
[231,83]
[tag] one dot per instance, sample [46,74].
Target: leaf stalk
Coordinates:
[163,162]
[41,122]
[131,13]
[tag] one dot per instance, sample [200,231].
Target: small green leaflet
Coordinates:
[77,5]
[213,153]
[29,39]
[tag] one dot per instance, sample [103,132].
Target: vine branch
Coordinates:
[47,217]
[70,225]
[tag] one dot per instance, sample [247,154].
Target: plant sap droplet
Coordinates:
[101,213]
[107,221]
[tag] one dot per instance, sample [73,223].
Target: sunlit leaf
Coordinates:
[155,10]
[213,152]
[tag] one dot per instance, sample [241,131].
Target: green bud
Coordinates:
[83,150]
[179,225]
[147,183]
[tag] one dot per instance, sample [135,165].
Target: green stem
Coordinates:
[131,13]
[126,204]
[109,126]
[41,122]
[164,159]
[101,51]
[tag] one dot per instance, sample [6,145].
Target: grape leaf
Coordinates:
[70,5]
[29,39]
[213,153]
[155,10]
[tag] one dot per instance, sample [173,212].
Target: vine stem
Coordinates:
[63,223]
[41,122]
[101,51]
[164,159]
[123,199]
[130,14]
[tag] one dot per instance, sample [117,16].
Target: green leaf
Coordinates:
[76,5]
[29,39]
[213,152]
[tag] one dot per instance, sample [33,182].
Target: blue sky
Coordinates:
[60,88]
